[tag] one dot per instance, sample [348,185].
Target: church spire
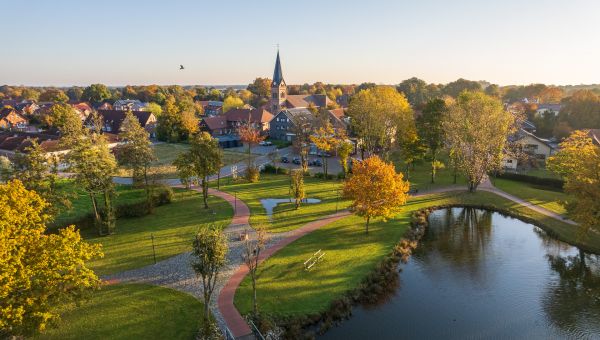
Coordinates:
[277,74]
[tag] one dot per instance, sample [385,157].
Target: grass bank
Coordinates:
[130,311]
[539,195]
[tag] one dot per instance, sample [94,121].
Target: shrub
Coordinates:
[321,175]
[548,182]
[269,169]
[162,195]
[252,174]
[341,175]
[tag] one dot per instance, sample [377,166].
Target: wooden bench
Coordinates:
[316,257]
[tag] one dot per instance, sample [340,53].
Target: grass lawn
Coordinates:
[285,217]
[420,176]
[173,226]
[286,289]
[130,311]
[539,195]
[166,153]
[82,205]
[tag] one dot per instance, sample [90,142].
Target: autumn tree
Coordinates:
[582,110]
[376,190]
[53,95]
[66,120]
[202,160]
[39,271]
[477,128]
[377,115]
[431,131]
[189,124]
[136,152]
[344,150]
[209,257]
[167,128]
[297,186]
[251,136]
[578,162]
[302,128]
[261,89]
[325,139]
[232,103]
[93,166]
[251,257]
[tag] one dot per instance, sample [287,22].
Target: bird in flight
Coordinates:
[181,67]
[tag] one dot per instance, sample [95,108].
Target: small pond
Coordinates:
[270,203]
[479,275]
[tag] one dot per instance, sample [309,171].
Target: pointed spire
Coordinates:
[277,74]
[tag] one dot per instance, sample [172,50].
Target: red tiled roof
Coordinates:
[254,115]
[303,100]
[338,113]
[216,122]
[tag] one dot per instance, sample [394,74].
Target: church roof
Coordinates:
[277,73]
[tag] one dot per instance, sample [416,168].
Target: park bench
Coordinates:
[316,257]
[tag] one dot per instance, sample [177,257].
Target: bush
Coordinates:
[321,175]
[341,175]
[548,182]
[252,174]
[271,169]
[162,195]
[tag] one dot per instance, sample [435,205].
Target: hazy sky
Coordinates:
[62,42]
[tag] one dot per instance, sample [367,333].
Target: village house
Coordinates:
[112,120]
[129,104]
[10,119]
[13,142]
[215,125]
[284,123]
[83,109]
[212,107]
[534,147]
[258,118]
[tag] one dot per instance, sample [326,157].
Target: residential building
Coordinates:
[258,118]
[112,120]
[215,125]
[283,125]
[542,109]
[83,109]
[10,119]
[129,104]
[212,107]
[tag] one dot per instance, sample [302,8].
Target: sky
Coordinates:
[64,43]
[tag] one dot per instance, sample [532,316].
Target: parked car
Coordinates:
[315,162]
[296,160]
[284,159]
[265,143]
[323,153]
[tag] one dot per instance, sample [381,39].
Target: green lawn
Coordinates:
[166,153]
[420,175]
[130,311]
[285,217]
[539,195]
[173,226]
[82,205]
[285,289]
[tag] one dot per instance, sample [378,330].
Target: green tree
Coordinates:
[67,121]
[93,166]
[74,93]
[30,94]
[154,108]
[96,93]
[453,89]
[202,160]
[582,110]
[345,148]
[39,271]
[232,103]
[431,131]
[261,89]
[477,128]
[297,186]
[209,257]
[54,95]
[417,91]
[136,152]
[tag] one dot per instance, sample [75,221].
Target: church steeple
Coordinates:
[277,73]
[278,88]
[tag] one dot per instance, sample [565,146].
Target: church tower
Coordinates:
[278,88]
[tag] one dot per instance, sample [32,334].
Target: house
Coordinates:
[129,104]
[12,142]
[338,119]
[215,125]
[112,120]
[27,107]
[258,118]
[103,106]
[212,107]
[528,126]
[531,145]
[10,119]
[283,124]
[83,110]
[542,109]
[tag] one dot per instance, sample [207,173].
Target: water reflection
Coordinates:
[478,274]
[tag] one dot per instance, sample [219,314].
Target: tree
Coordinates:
[54,95]
[154,108]
[377,115]
[455,88]
[136,152]
[39,271]
[477,128]
[297,186]
[412,148]
[416,91]
[582,110]
[274,158]
[325,140]
[431,131]
[96,93]
[67,121]
[167,128]
[232,103]
[209,257]
[202,160]
[493,90]
[93,166]
[74,93]
[30,94]
[189,123]
[250,135]
[6,169]
[251,257]
[375,189]
[261,88]
[578,162]
[344,149]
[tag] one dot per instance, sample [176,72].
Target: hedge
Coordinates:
[548,182]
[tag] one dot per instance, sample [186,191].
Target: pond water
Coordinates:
[477,275]
[270,203]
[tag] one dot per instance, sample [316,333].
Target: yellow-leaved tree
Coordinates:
[38,271]
[376,189]
[578,161]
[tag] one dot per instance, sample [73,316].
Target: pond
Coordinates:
[478,274]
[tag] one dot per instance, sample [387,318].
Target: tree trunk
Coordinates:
[367,225]
[324,167]
[205,191]
[254,304]
[97,219]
